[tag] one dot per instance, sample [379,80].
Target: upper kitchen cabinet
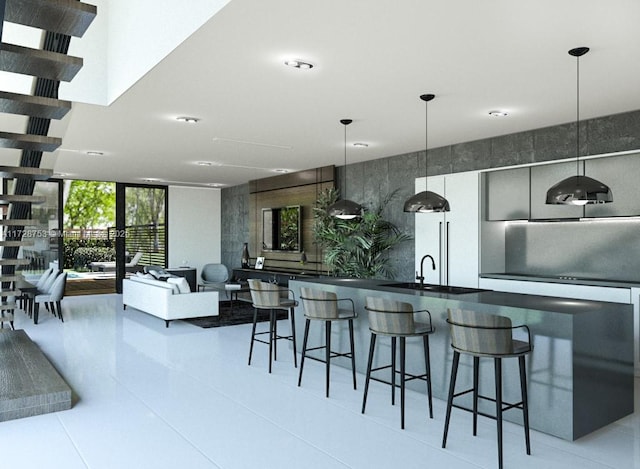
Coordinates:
[507,193]
[620,173]
[542,178]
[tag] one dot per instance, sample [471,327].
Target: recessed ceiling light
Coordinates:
[151,180]
[204,163]
[281,170]
[297,63]
[215,184]
[188,120]
[498,113]
[361,145]
[94,153]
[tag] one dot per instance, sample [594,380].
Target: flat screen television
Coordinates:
[282,228]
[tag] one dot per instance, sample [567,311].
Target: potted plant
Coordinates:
[357,248]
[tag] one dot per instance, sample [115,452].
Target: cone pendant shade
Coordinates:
[345,209]
[578,190]
[426,201]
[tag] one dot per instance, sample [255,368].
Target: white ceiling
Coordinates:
[372,61]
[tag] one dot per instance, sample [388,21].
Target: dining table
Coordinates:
[29,292]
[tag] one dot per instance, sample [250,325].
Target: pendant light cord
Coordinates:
[426,143]
[344,196]
[426,98]
[345,122]
[578,115]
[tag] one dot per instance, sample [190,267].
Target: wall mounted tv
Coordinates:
[282,229]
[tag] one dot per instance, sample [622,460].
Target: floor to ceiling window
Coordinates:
[140,227]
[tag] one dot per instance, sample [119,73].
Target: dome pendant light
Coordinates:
[426,201]
[579,190]
[345,209]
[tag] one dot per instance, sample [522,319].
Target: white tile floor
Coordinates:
[184,397]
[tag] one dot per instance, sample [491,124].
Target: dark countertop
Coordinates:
[568,279]
[570,306]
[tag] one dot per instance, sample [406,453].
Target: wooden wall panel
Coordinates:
[281,191]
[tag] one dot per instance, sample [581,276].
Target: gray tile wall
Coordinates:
[235,224]
[371,180]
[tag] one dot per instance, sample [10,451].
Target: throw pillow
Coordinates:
[181,282]
[159,275]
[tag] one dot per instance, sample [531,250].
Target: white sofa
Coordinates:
[158,298]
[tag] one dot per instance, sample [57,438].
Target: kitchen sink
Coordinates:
[453,290]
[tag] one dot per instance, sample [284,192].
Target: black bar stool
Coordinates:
[320,305]
[396,320]
[487,335]
[269,296]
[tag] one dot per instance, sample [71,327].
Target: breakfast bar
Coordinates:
[580,373]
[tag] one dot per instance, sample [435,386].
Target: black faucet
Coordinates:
[421,276]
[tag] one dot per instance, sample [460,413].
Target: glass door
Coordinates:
[141,230]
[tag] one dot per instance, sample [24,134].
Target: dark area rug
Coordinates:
[242,314]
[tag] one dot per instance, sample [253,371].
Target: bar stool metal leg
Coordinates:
[327,328]
[393,371]
[427,360]
[272,342]
[292,318]
[525,402]
[476,379]
[498,367]
[353,353]
[452,387]
[403,344]
[253,333]
[372,346]
[304,348]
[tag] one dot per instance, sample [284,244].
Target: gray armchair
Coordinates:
[214,277]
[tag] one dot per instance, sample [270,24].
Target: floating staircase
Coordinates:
[24,392]
[49,65]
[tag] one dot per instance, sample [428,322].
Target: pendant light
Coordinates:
[578,190]
[426,201]
[345,209]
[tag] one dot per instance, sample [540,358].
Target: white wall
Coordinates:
[127,39]
[194,226]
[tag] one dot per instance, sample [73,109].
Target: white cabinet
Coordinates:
[560,290]
[451,238]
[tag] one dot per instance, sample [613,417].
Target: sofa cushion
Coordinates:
[143,275]
[159,275]
[181,283]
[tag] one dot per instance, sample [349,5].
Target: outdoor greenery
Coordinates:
[82,256]
[90,204]
[145,207]
[71,245]
[357,248]
[89,207]
[289,222]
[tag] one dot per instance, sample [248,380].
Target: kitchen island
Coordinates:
[580,373]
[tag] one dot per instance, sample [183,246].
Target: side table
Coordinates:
[232,290]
